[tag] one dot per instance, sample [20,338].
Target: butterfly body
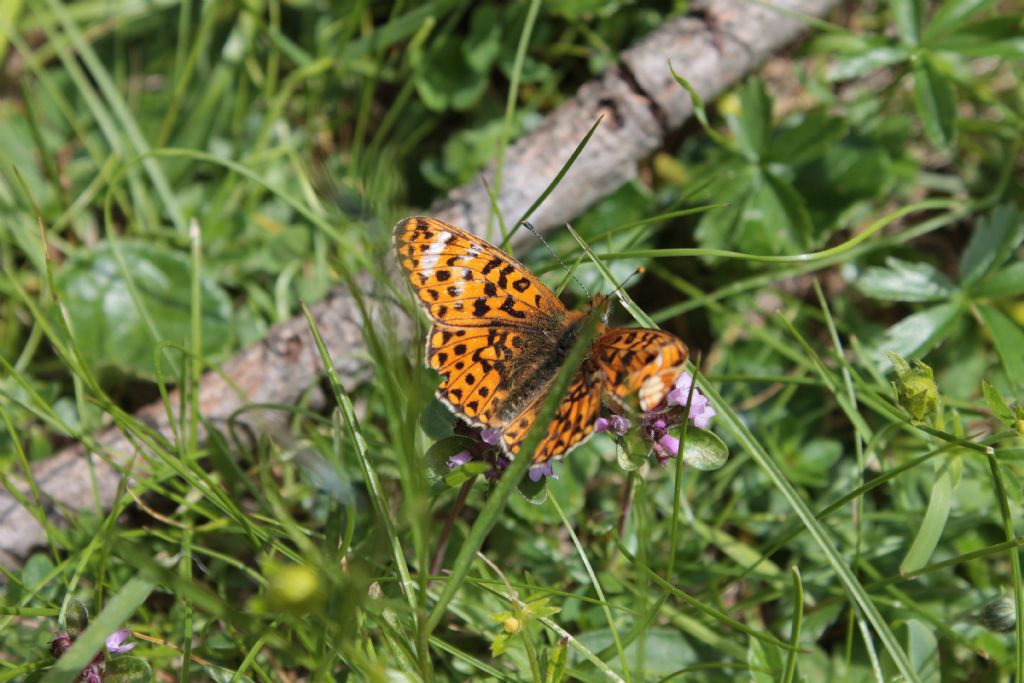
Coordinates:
[500,336]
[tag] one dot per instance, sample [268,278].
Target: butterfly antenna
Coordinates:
[572,274]
[640,270]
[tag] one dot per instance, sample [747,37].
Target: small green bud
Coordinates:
[915,387]
[293,588]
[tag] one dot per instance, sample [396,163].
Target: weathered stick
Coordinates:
[640,103]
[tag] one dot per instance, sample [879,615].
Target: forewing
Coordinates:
[463,281]
[643,361]
[571,425]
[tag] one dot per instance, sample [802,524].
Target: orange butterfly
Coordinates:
[500,336]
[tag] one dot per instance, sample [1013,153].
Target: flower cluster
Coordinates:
[682,400]
[93,672]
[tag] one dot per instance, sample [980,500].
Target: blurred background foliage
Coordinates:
[265,121]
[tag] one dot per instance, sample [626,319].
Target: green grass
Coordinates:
[176,178]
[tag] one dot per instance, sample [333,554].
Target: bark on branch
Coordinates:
[640,102]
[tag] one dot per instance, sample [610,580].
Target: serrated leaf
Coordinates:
[774,219]
[998,37]
[954,13]
[905,281]
[109,328]
[867,62]
[1005,283]
[1008,339]
[443,79]
[483,44]
[994,239]
[805,137]
[935,101]
[997,405]
[753,124]
[934,522]
[917,333]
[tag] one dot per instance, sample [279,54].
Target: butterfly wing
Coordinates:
[463,281]
[488,311]
[640,360]
[572,423]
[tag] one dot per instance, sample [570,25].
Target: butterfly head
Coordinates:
[599,306]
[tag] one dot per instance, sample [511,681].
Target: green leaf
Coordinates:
[460,475]
[437,421]
[935,101]
[998,37]
[533,492]
[127,669]
[667,650]
[997,405]
[905,281]
[917,333]
[1008,339]
[437,456]
[952,14]
[852,170]
[443,79]
[732,185]
[558,661]
[764,661]
[805,137]
[907,15]
[923,649]
[36,576]
[994,239]
[219,674]
[109,328]
[483,44]
[934,522]
[703,450]
[774,220]
[753,124]
[76,617]
[867,62]
[1003,284]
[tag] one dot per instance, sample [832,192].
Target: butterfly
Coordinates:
[499,337]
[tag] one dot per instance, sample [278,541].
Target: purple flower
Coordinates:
[615,424]
[666,447]
[701,411]
[459,459]
[499,465]
[115,642]
[490,436]
[544,469]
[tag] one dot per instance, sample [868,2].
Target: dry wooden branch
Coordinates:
[640,102]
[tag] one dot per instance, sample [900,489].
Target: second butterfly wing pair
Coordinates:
[500,336]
